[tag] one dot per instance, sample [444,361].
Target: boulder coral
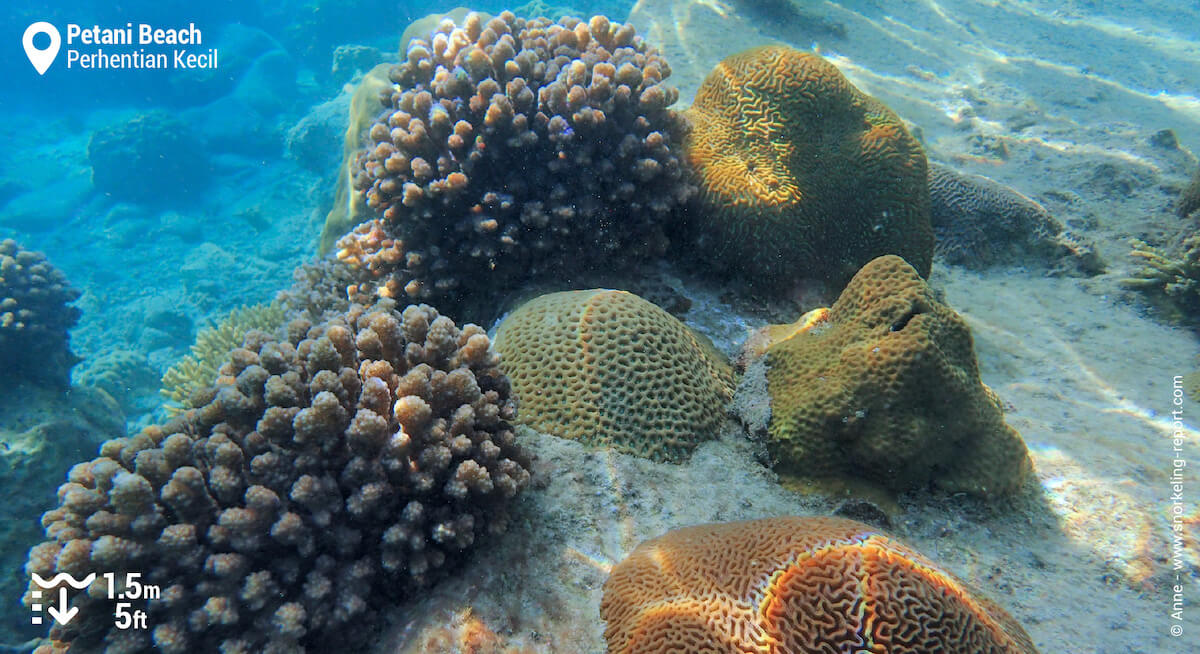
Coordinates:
[797,586]
[980,223]
[151,158]
[885,388]
[354,462]
[610,369]
[512,149]
[35,317]
[800,174]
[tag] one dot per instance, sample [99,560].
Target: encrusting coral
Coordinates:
[200,369]
[885,388]
[979,223]
[354,462]
[801,175]
[513,149]
[800,586]
[1170,279]
[35,316]
[610,369]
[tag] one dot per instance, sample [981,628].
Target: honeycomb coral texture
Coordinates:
[34,317]
[608,368]
[887,389]
[795,586]
[800,173]
[517,147]
[353,462]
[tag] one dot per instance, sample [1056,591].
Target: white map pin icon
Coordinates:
[41,59]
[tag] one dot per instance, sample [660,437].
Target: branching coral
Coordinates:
[514,149]
[35,315]
[1170,279]
[353,462]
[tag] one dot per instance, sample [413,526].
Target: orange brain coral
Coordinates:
[802,174]
[795,586]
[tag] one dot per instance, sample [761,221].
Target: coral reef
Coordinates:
[125,375]
[1170,279]
[35,317]
[886,389]
[1189,199]
[153,158]
[979,223]
[801,175]
[514,149]
[796,585]
[198,370]
[354,462]
[610,369]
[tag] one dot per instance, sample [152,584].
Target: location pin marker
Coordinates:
[41,59]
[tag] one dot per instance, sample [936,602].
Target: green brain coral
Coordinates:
[886,389]
[608,368]
[801,174]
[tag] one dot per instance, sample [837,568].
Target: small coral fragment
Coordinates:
[796,586]
[887,390]
[608,368]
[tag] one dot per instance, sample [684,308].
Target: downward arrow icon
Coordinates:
[62,615]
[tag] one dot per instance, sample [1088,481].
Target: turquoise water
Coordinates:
[171,196]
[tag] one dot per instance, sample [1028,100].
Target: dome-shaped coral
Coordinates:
[35,315]
[611,369]
[795,586]
[355,461]
[513,148]
[801,174]
[886,388]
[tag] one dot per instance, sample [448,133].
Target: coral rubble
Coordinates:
[35,316]
[796,585]
[611,369]
[885,388]
[513,149]
[353,462]
[980,223]
[802,175]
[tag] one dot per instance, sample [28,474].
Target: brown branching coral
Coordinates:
[352,462]
[35,315]
[1171,280]
[513,149]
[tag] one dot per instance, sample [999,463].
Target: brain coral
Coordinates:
[517,148]
[979,223]
[801,174]
[886,389]
[611,369]
[34,318]
[353,462]
[795,586]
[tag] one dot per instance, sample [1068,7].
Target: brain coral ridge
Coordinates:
[513,148]
[353,462]
[885,388]
[610,369]
[801,174]
[796,586]
[979,222]
[35,317]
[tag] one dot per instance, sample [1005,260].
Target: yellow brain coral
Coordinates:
[795,586]
[887,389]
[801,174]
[608,368]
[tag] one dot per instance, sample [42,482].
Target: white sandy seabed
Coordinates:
[1061,106]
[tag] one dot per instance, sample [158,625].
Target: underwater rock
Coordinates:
[35,318]
[885,389]
[155,158]
[516,149]
[610,369]
[1189,199]
[355,461]
[802,175]
[979,223]
[796,585]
